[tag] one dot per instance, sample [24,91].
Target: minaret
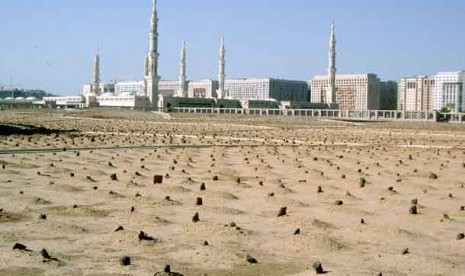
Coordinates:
[96,80]
[221,93]
[331,92]
[182,73]
[151,79]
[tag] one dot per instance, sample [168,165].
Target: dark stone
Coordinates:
[215,178]
[362,182]
[297,231]
[143,236]
[433,176]
[460,236]
[405,251]
[414,201]
[45,254]
[413,210]
[319,190]
[125,261]
[362,221]
[199,201]
[318,268]
[167,269]
[196,218]
[132,209]
[113,177]
[43,216]
[282,212]
[120,228]
[251,260]
[202,187]
[205,243]
[338,202]
[19,246]
[232,224]
[157,179]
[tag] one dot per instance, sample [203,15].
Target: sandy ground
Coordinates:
[262,165]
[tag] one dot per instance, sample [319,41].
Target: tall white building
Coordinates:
[182,91]
[353,91]
[267,89]
[131,87]
[205,89]
[449,91]
[331,92]
[222,93]
[151,77]
[416,94]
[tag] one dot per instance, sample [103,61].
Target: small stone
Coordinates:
[45,254]
[433,176]
[319,190]
[232,224]
[338,202]
[125,261]
[362,182]
[446,216]
[19,246]
[414,201]
[199,201]
[143,236]
[462,208]
[413,210]
[120,228]
[362,221]
[282,212]
[132,209]
[405,251]
[297,231]
[202,187]
[196,218]
[270,194]
[43,216]
[205,243]
[113,177]
[157,179]
[251,260]
[318,268]
[215,178]
[460,236]
[167,269]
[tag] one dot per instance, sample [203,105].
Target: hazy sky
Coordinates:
[50,44]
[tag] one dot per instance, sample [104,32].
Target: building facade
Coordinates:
[353,92]
[388,95]
[131,87]
[416,94]
[266,89]
[202,89]
[449,91]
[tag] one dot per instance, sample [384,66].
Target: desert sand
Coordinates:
[346,195]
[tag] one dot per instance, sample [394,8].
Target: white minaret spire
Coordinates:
[182,73]
[96,80]
[151,79]
[331,92]
[222,93]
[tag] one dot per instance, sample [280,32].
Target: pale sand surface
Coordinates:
[290,156]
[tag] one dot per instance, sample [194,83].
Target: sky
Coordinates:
[50,44]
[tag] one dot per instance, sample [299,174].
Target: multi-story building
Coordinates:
[388,95]
[131,87]
[353,92]
[266,89]
[449,91]
[168,88]
[416,94]
[102,88]
[202,89]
